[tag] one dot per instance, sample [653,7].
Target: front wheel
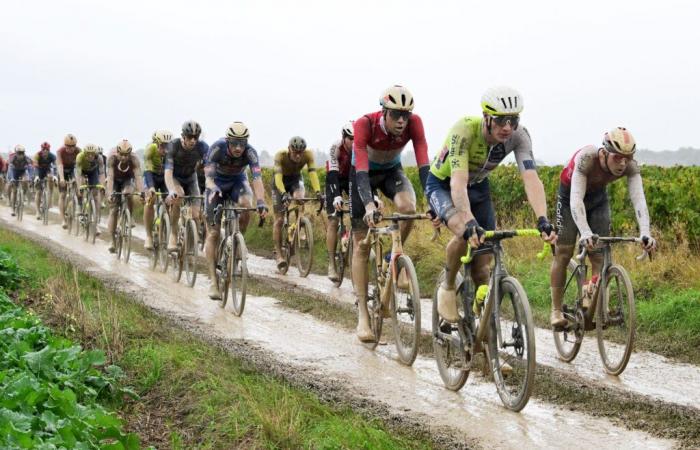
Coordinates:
[68,213]
[239,274]
[224,269]
[447,345]
[304,247]
[45,206]
[126,233]
[285,249]
[616,320]
[374,302]
[20,202]
[406,310]
[512,345]
[161,246]
[190,252]
[568,340]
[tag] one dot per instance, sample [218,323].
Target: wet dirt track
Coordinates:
[326,353]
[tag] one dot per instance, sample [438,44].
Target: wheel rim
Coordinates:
[568,341]
[240,275]
[616,320]
[126,230]
[304,244]
[222,270]
[163,231]
[406,312]
[374,306]
[190,253]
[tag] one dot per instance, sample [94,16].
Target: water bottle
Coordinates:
[481,293]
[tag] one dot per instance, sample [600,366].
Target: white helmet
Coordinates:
[19,148]
[163,137]
[397,97]
[124,147]
[91,148]
[237,130]
[348,129]
[502,101]
[619,140]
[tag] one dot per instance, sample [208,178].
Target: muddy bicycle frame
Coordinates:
[288,241]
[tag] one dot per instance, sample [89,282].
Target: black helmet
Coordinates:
[191,128]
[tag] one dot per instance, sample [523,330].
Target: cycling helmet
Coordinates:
[191,128]
[348,129]
[502,101]
[237,130]
[124,147]
[90,148]
[99,149]
[45,146]
[70,140]
[153,136]
[397,97]
[163,137]
[619,140]
[297,144]
[19,148]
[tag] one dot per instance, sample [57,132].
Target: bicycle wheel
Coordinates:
[512,342]
[45,206]
[20,202]
[304,247]
[405,311]
[162,245]
[190,252]
[126,233]
[87,218]
[568,341]
[239,278]
[77,212]
[616,320]
[224,270]
[284,247]
[68,214]
[339,261]
[176,257]
[374,302]
[449,353]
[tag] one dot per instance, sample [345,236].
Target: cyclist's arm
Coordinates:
[138,175]
[313,176]
[59,166]
[420,147]
[168,171]
[459,180]
[210,168]
[582,164]
[279,183]
[110,177]
[148,179]
[359,150]
[333,170]
[641,212]
[256,172]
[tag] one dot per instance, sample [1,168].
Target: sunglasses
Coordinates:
[188,137]
[619,158]
[396,114]
[237,142]
[501,121]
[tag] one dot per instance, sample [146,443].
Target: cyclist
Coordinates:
[289,183]
[180,173]
[89,169]
[123,172]
[19,167]
[337,182]
[226,178]
[154,157]
[45,165]
[3,174]
[380,137]
[583,207]
[100,151]
[458,186]
[65,166]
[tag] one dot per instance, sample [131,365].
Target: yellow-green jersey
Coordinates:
[465,148]
[84,165]
[153,161]
[286,167]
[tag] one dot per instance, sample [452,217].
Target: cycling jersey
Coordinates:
[183,162]
[18,166]
[3,165]
[225,165]
[83,165]
[67,158]
[285,167]
[465,148]
[44,160]
[153,160]
[339,160]
[122,171]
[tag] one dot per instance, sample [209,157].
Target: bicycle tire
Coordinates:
[453,377]
[285,249]
[76,216]
[19,200]
[339,260]
[190,252]
[45,206]
[406,315]
[514,393]
[568,341]
[68,213]
[374,302]
[223,270]
[86,224]
[239,281]
[163,234]
[154,253]
[608,337]
[119,235]
[304,247]
[176,257]
[126,233]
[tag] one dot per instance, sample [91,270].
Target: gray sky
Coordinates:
[107,70]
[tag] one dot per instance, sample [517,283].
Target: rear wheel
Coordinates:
[239,278]
[616,320]
[374,302]
[449,353]
[568,341]
[406,311]
[190,252]
[304,247]
[512,345]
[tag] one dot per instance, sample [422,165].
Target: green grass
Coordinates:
[193,394]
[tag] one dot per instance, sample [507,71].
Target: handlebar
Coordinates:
[497,235]
[615,240]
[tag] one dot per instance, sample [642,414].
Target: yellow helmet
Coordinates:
[91,148]
[124,147]
[619,140]
[397,97]
[70,140]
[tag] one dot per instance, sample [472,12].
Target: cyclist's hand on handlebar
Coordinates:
[474,234]
[378,202]
[648,243]
[320,196]
[286,199]
[588,241]
[262,209]
[338,203]
[434,218]
[372,215]
[547,230]
[214,192]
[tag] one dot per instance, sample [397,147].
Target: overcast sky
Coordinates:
[108,70]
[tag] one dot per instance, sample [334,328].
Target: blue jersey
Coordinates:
[183,162]
[223,164]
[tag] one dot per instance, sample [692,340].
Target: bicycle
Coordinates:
[88,212]
[495,320]
[19,198]
[71,208]
[342,256]
[232,257]
[43,201]
[385,296]
[612,312]
[122,231]
[185,257]
[298,237]
[160,231]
